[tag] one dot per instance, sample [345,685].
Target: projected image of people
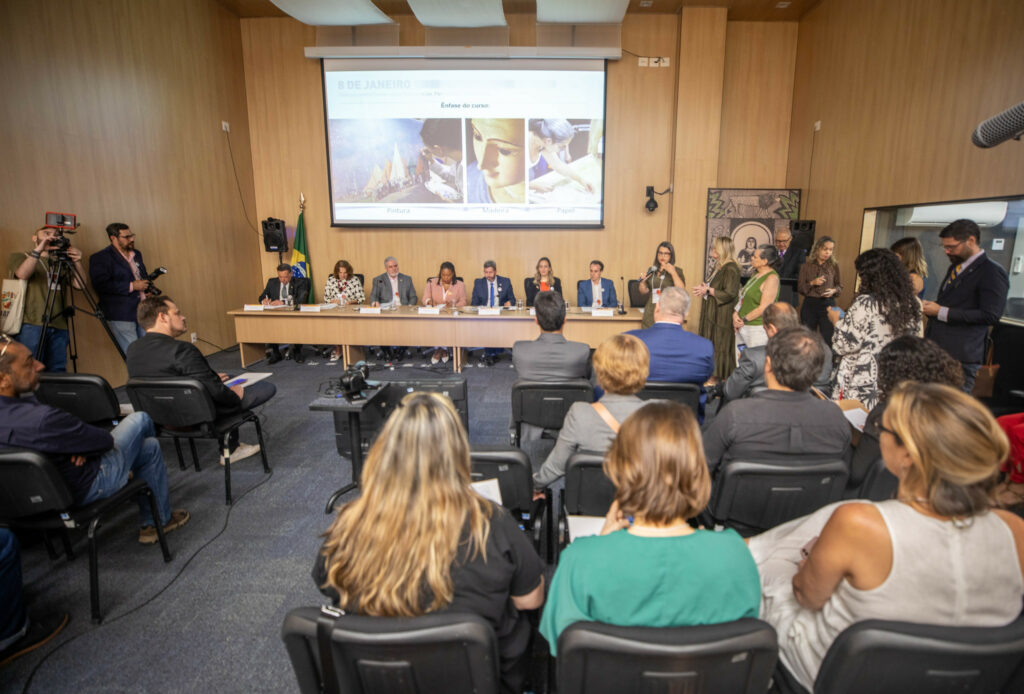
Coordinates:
[497,172]
[397,160]
[564,168]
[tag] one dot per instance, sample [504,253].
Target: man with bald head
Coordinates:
[790,260]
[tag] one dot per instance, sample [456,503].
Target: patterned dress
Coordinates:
[351,290]
[860,335]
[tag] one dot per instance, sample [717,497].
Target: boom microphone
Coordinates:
[999,128]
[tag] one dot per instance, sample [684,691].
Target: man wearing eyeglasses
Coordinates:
[971,297]
[119,277]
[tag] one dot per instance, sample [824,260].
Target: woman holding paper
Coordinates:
[649,566]
[420,540]
[444,290]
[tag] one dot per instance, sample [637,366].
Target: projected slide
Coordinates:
[475,144]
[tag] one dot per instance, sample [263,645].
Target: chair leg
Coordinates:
[195,456]
[225,457]
[159,526]
[263,449]
[50,549]
[177,449]
[94,571]
[65,538]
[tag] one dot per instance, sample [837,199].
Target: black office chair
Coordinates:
[684,393]
[34,495]
[588,492]
[751,497]
[544,404]
[878,484]
[88,397]
[730,658]
[885,657]
[636,299]
[182,408]
[511,467]
[444,652]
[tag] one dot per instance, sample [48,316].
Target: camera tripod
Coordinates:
[61,273]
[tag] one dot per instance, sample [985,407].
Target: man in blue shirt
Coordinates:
[95,463]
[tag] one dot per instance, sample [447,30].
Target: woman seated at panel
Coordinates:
[656,570]
[621,364]
[936,554]
[420,540]
[342,288]
[543,281]
[444,290]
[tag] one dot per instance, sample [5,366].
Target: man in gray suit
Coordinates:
[392,286]
[550,357]
[749,374]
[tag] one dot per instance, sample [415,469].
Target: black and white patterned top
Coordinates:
[351,290]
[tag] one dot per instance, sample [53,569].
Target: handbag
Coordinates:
[12,305]
[985,381]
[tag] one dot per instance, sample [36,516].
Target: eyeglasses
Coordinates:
[127,236]
[892,433]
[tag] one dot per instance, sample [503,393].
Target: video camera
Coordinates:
[353,381]
[60,222]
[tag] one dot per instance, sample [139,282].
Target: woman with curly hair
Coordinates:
[885,308]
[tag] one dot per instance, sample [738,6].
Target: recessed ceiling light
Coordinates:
[646,3]
[782,5]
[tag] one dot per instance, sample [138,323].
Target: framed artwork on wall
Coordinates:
[751,217]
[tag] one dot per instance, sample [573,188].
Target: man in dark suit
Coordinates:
[971,298]
[790,260]
[492,290]
[748,377]
[157,354]
[392,286]
[596,292]
[119,277]
[677,356]
[784,424]
[281,290]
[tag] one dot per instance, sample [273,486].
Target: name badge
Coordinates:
[657,296]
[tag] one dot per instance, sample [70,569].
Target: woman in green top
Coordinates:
[760,291]
[663,273]
[716,309]
[656,570]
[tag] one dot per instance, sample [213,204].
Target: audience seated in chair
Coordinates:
[749,374]
[19,632]
[159,355]
[620,365]
[656,570]
[785,423]
[677,356]
[936,554]
[419,540]
[94,462]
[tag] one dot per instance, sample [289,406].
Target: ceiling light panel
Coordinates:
[582,11]
[334,12]
[458,13]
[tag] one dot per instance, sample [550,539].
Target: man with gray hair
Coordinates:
[784,424]
[677,356]
[392,287]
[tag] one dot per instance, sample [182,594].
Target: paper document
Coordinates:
[857,417]
[582,526]
[430,310]
[368,309]
[489,311]
[488,489]
[246,379]
[252,307]
[315,308]
[279,307]
[606,312]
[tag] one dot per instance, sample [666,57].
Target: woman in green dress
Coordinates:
[719,297]
[760,291]
[663,273]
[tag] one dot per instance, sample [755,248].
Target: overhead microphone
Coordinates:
[999,128]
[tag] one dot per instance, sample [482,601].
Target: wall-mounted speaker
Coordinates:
[275,240]
[803,233]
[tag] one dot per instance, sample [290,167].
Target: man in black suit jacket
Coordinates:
[277,292]
[971,298]
[790,260]
[157,354]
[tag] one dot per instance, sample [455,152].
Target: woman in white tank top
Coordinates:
[937,554]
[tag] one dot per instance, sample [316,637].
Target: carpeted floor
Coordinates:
[210,619]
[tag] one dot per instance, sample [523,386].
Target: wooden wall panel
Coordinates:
[898,88]
[757,101]
[284,93]
[119,120]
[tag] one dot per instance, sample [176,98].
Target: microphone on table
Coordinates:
[622,290]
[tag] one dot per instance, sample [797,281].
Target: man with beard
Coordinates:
[119,277]
[971,298]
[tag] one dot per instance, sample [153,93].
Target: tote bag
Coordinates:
[12,305]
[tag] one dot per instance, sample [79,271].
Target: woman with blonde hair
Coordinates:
[936,554]
[719,294]
[543,280]
[911,254]
[649,566]
[819,283]
[420,540]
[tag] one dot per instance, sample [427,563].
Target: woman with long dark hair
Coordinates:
[819,284]
[885,308]
[663,273]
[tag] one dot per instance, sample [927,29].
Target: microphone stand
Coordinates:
[622,289]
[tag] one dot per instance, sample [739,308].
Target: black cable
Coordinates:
[238,184]
[222,349]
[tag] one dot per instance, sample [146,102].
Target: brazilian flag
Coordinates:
[300,264]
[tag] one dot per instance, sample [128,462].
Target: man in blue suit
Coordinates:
[597,292]
[119,277]
[677,356]
[492,290]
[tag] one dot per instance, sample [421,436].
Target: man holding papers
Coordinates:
[159,355]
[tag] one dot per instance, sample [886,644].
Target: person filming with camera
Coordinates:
[119,277]
[34,266]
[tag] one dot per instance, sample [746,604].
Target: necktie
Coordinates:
[492,294]
[956,271]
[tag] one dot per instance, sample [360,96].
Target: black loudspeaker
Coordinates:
[803,233]
[275,240]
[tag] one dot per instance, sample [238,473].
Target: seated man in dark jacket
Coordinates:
[280,290]
[159,355]
[95,463]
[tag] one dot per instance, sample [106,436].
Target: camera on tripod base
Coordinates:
[61,223]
